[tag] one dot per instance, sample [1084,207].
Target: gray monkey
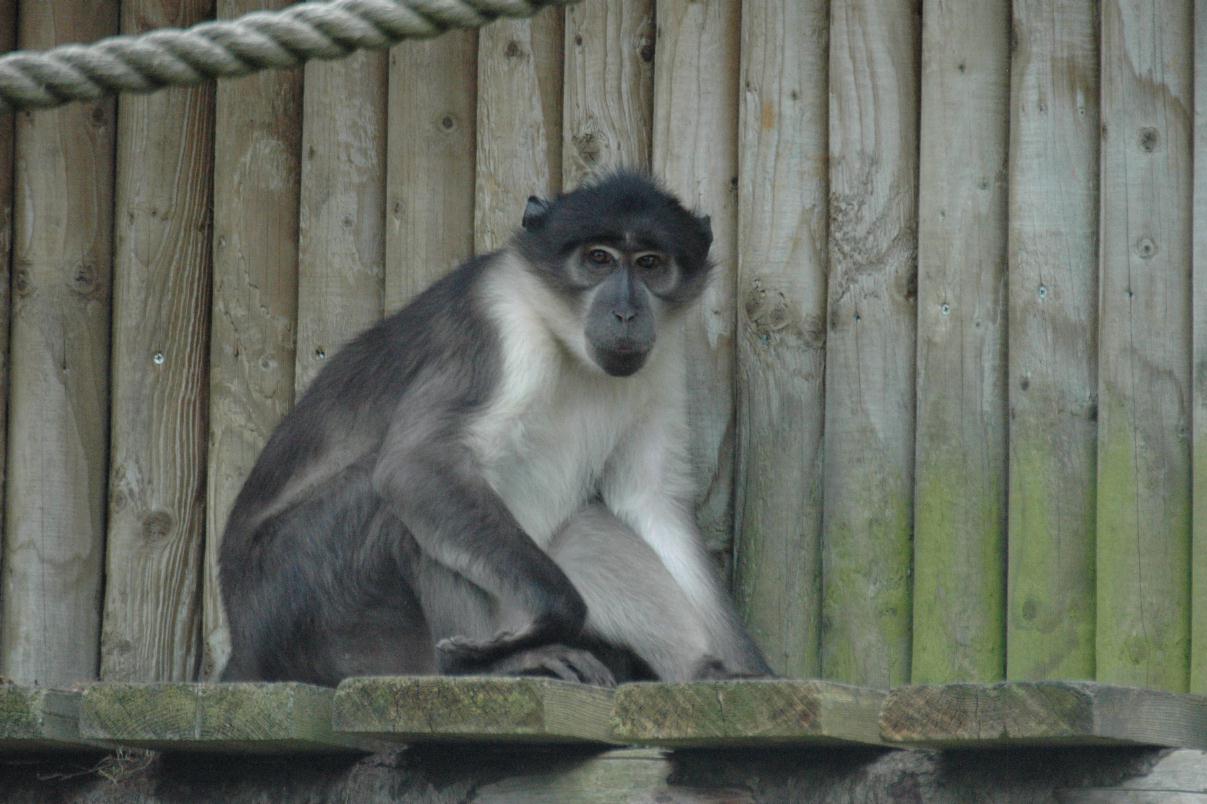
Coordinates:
[494,479]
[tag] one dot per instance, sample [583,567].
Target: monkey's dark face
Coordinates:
[624,256]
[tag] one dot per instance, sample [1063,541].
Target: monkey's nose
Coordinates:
[624,316]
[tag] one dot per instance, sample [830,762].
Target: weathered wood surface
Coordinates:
[58,415]
[1143,525]
[1198,640]
[430,162]
[608,103]
[230,718]
[781,308]
[487,709]
[959,626]
[256,191]
[161,305]
[869,422]
[1053,290]
[341,214]
[1042,713]
[39,719]
[745,714]
[8,41]
[695,153]
[519,129]
[559,774]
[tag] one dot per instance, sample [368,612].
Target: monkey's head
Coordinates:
[622,255]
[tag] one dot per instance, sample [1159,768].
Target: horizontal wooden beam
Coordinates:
[745,713]
[38,719]
[492,709]
[245,717]
[1042,713]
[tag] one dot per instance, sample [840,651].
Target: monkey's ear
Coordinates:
[534,213]
[705,224]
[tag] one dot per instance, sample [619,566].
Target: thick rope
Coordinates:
[285,38]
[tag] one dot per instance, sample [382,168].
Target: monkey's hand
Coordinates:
[459,655]
[713,669]
[556,661]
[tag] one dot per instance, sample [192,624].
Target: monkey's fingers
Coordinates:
[557,661]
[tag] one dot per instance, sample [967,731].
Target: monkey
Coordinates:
[494,479]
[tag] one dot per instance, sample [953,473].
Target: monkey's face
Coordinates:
[624,256]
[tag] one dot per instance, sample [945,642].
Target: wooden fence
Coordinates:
[949,388]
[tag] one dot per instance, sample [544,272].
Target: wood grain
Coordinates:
[341,212]
[519,129]
[695,154]
[608,105]
[869,423]
[783,257]
[746,714]
[1143,546]
[161,305]
[1053,315]
[1198,641]
[492,709]
[244,718]
[257,148]
[430,162]
[960,464]
[40,719]
[1042,713]
[58,416]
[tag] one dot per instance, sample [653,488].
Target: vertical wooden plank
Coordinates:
[609,99]
[161,299]
[519,128]
[55,518]
[869,426]
[1198,642]
[1143,552]
[8,41]
[960,463]
[430,161]
[782,261]
[1053,298]
[257,149]
[695,153]
[341,215]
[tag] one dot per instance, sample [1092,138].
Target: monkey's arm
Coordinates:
[431,482]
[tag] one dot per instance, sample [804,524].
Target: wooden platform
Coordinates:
[739,714]
[243,718]
[487,709]
[1042,713]
[34,719]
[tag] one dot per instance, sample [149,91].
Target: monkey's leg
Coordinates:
[632,600]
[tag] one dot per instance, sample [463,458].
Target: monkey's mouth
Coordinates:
[622,360]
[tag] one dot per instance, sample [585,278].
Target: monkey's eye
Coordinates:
[597,256]
[649,261]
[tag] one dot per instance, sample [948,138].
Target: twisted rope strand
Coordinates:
[227,48]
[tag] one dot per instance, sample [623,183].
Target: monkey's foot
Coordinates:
[459,654]
[556,661]
[711,669]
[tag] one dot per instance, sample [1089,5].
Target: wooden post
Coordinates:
[430,161]
[8,41]
[960,468]
[161,304]
[609,99]
[869,435]
[695,153]
[519,130]
[1053,289]
[1198,641]
[781,307]
[1143,634]
[257,141]
[55,517]
[341,216]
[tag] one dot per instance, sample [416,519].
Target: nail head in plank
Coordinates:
[745,713]
[38,719]
[465,709]
[1042,713]
[243,717]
